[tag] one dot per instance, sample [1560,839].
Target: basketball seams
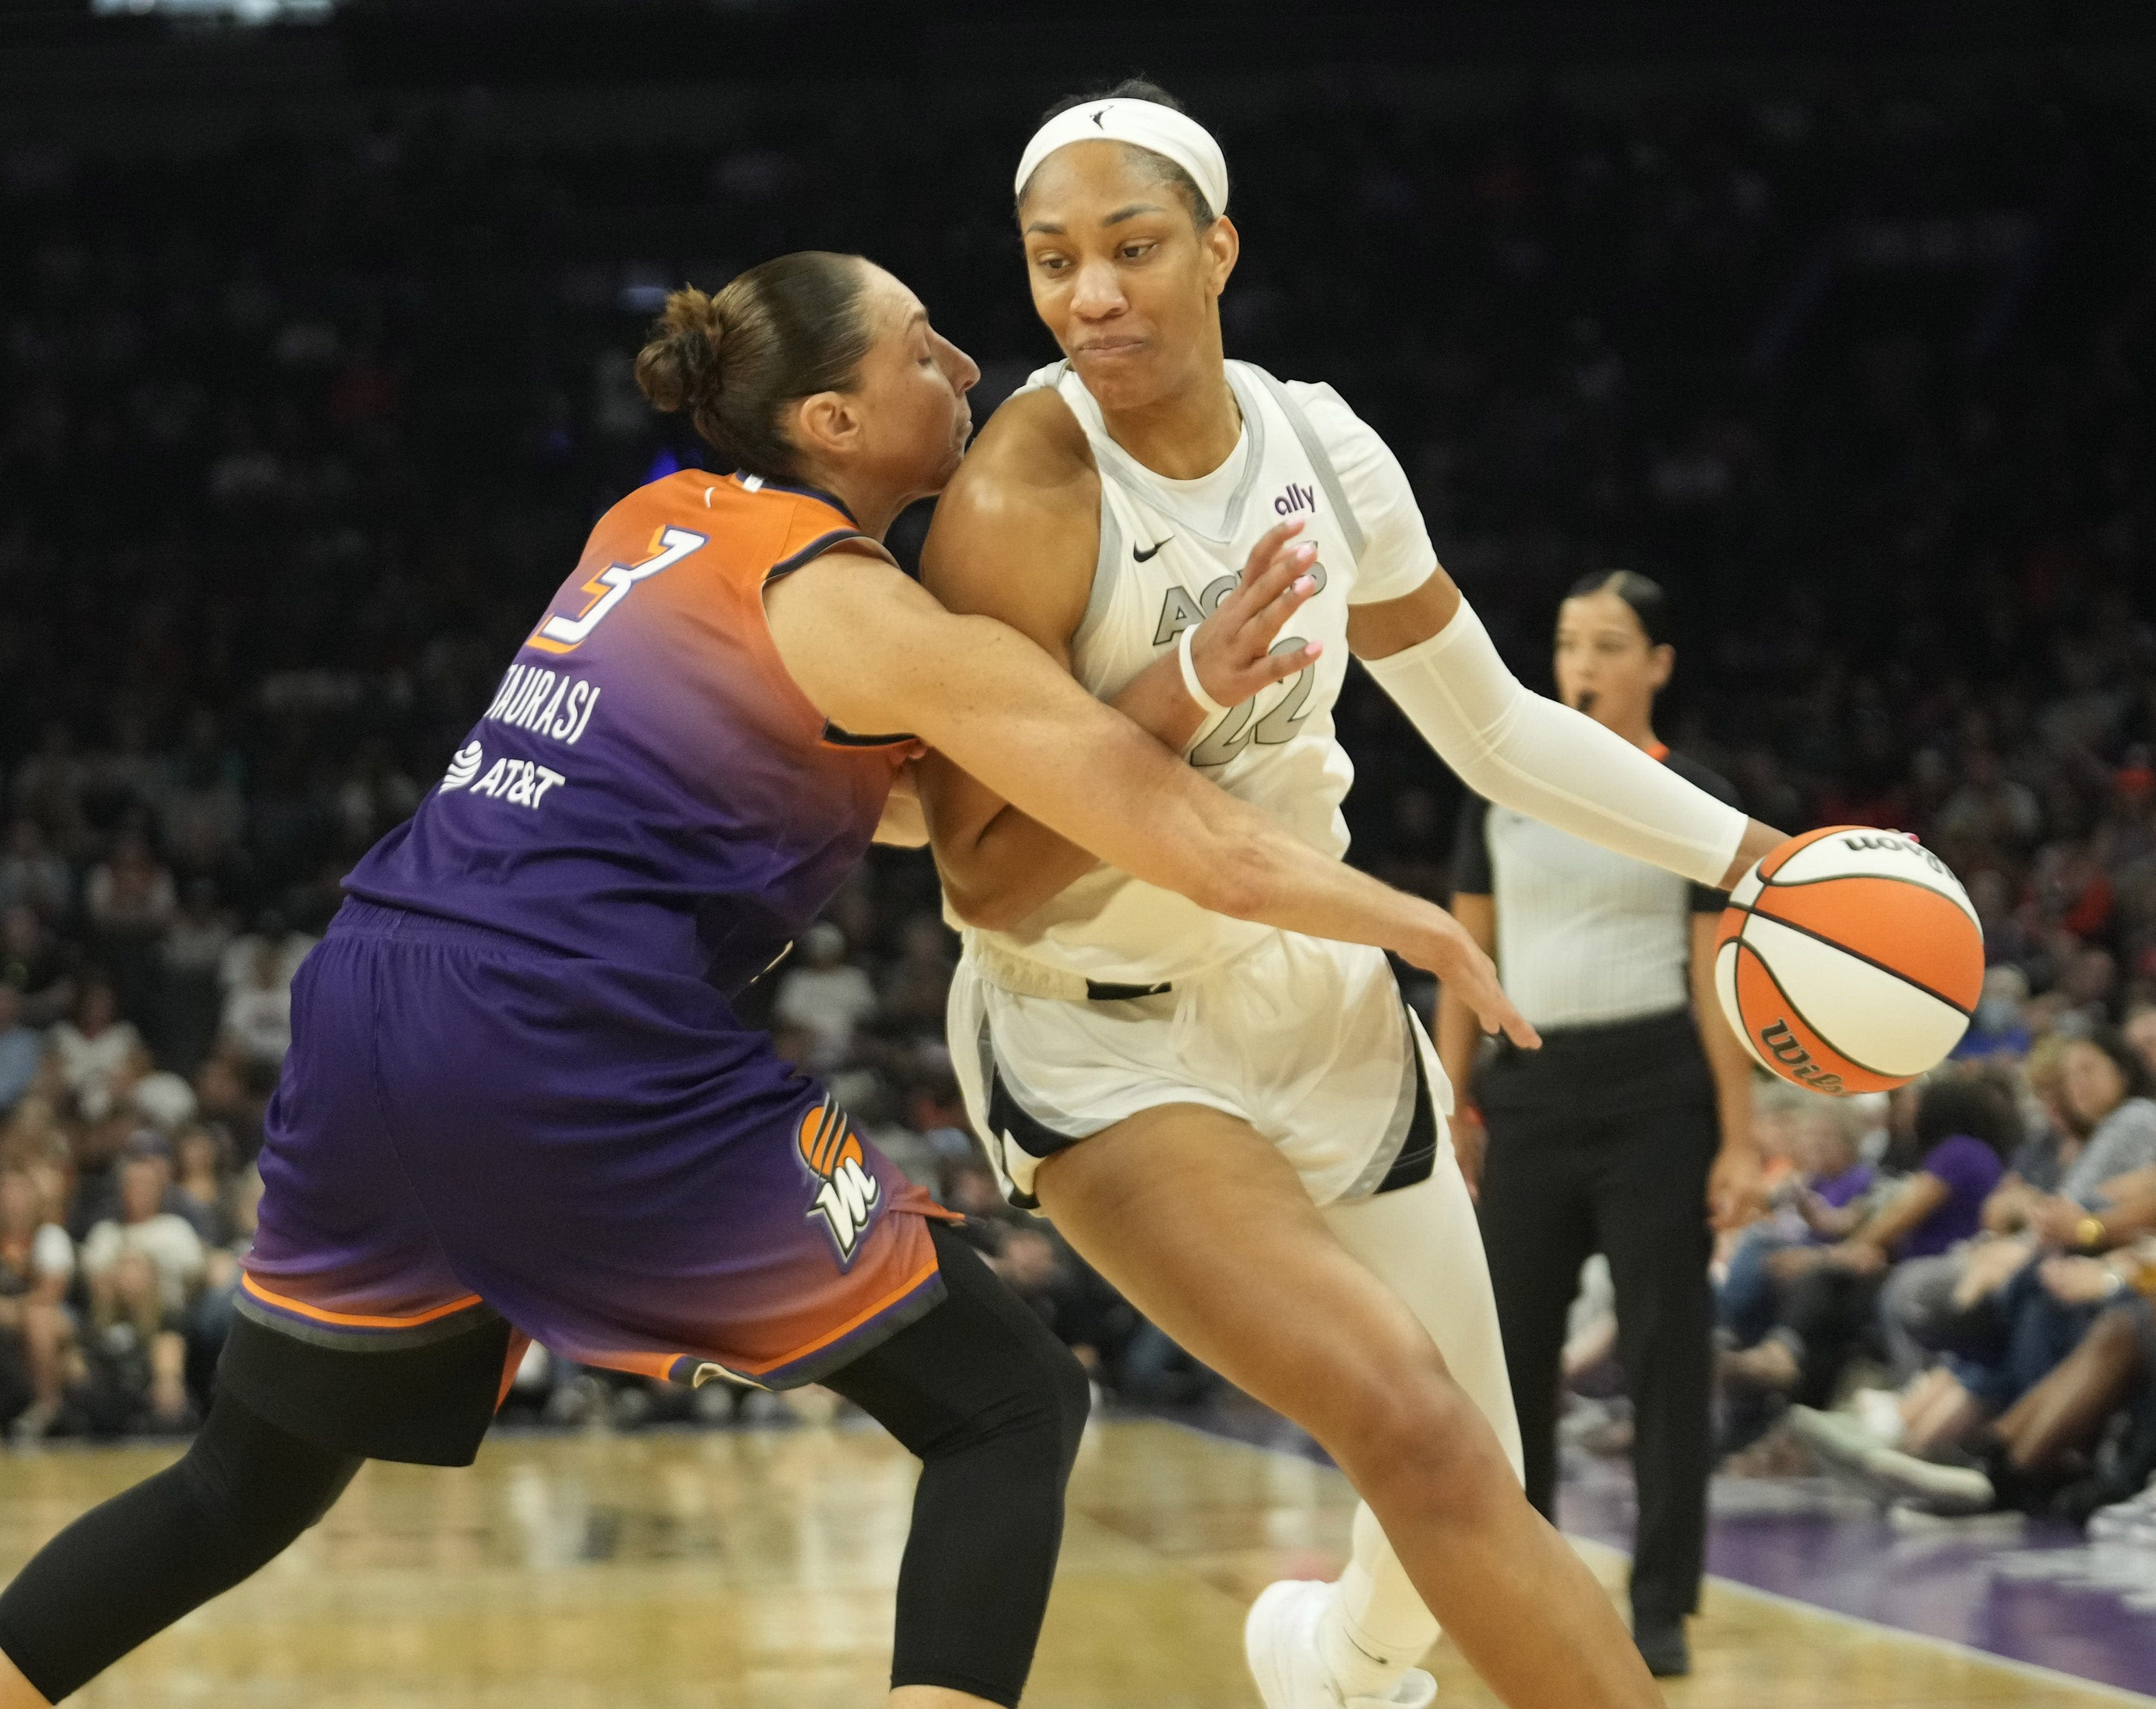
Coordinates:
[1812,1027]
[1957,896]
[1965,1011]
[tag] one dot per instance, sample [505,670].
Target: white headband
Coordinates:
[1144,125]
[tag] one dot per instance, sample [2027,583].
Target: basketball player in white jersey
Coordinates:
[1242,1128]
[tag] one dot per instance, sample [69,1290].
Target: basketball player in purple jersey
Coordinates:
[518,1103]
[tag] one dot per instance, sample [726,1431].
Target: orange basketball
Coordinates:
[1849,960]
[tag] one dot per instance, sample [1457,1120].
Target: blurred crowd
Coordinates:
[1951,1301]
[297,432]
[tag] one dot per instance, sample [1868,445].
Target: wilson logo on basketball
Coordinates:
[1781,1044]
[846,1196]
[1886,842]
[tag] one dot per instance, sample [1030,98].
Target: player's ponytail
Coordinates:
[785,329]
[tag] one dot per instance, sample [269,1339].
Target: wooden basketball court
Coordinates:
[755,1568]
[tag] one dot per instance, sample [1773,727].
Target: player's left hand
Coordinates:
[1233,650]
[1464,969]
[1734,1189]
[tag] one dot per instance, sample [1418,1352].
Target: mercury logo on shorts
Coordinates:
[847,1197]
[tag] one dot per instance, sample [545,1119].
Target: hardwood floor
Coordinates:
[754,1568]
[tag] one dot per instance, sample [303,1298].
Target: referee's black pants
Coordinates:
[1602,1140]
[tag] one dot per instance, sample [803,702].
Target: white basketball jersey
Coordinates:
[1170,551]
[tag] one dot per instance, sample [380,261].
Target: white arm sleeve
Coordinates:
[1537,757]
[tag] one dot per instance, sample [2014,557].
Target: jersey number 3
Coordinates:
[610,586]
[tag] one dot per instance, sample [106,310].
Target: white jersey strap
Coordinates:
[1321,460]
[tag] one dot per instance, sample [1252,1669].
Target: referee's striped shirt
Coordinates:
[1585,937]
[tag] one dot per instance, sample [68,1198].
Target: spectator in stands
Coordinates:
[1965,1126]
[2054,1451]
[2139,1031]
[202,1189]
[37,1266]
[825,997]
[36,964]
[257,1024]
[129,898]
[50,784]
[33,875]
[191,1001]
[235,1097]
[144,1267]
[2000,1026]
[286,941]
[22,1050]
[95,1052]
[1820,1203]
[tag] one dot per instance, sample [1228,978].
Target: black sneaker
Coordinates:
[1662,1646]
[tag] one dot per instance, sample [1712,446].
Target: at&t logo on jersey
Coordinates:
[846,1196]
[519,782]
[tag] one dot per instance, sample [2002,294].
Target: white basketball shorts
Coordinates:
[1305,1040]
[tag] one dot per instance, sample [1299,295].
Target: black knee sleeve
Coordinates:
[995,1406]
[127,1570]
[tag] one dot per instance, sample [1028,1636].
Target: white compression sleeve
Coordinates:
[1523,751]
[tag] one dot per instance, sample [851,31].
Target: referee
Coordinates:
[1629,1130]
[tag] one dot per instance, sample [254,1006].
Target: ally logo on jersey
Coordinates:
[846,1196]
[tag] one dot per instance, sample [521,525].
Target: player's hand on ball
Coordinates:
[1233,649]
[1459,962]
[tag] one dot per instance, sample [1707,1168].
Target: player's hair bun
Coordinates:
[786,329]
[678,368]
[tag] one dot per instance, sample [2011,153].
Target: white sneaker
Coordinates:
[1948,1492]
[1879,1410]
[1839,1438]
[1281,1643]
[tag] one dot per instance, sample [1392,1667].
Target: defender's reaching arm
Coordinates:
[871,650]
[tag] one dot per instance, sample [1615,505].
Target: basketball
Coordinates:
[1849,960]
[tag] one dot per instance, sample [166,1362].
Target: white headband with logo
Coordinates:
[1143,124]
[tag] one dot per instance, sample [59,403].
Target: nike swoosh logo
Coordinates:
[1141,556]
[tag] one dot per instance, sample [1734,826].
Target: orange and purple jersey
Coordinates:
[517,1092]
[648,784]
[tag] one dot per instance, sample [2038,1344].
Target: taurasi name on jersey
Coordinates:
[546,702]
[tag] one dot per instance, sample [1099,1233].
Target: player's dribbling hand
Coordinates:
[1469,974]
[1233,650]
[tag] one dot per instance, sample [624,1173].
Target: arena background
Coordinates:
[315,329]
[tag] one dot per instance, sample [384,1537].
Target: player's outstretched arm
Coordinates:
[1430,653]
[872,650]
